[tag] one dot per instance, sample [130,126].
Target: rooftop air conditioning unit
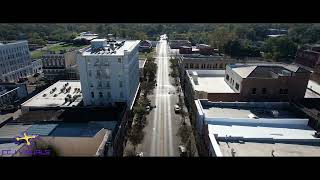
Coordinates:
[275,113]
[252,116]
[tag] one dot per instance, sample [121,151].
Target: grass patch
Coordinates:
[67,47]
[37,54]
[146,55]
[56,48]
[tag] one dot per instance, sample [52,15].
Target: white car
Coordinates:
[176,108]
[147,108]
[140,154]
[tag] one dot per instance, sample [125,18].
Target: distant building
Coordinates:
[309,58]
[185,50]
[205,49]
[254,129]
[145,46]
[176,44]
[12,92]
[15,61]
[56,66]
[109,72]
[37,66]
[85,38]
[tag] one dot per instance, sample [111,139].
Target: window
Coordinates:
[92,94]
[109,95]
[254,90]
[237,86]
[120,84]
[107,73]
[191,65]
[197,66]
[91,85]
[99,84]
[121,94]
[100,94]
[89,73]
[227,77]
[186,65]
[98,73]
[108,84]
[264,90]
[221,66]
[283,91]
[119,60]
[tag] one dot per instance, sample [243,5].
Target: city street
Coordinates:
[161,131]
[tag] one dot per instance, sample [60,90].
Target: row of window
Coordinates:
[108,94]
[232,82]
[14,50]
[205,66]
[53,62]
[264,91]
[107,84]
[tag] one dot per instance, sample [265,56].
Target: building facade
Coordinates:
[56,66]
[267,82]
[36,66]
[109,72]
[309,58]
[176,44]
[11,92]
[15,61]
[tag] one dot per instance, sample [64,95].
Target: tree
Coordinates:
[240,49]
[147,87]
[135,136]
[185,132]
[280,48]
[150,70]
[139,110]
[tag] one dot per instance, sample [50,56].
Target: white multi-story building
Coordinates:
[15,61]
[109,72]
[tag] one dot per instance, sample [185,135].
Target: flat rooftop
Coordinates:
[234,112]
[265,149]
[314,86]
[120,47]
[210,81]
[50,98]
[262,133]
[61,129]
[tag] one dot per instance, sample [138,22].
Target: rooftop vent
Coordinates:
[252,116]
[275,113]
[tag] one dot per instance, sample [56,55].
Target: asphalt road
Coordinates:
[161,131]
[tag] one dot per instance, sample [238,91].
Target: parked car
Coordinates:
[140,154]
[147,108]
[176,108]
[182,151]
